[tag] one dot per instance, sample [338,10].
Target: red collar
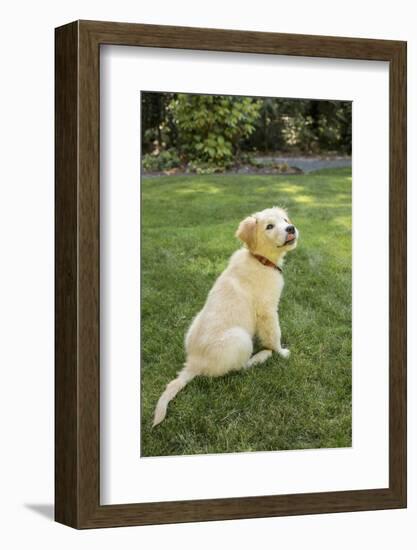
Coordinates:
[265,261]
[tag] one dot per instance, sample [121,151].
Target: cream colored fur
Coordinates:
[242,303]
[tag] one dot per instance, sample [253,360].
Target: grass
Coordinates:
[188,226]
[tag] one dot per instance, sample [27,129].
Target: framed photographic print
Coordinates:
[196,171]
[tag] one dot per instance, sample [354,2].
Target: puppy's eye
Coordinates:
[270,226]
[286,221]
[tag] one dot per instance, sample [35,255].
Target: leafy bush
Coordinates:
[160,161]
[211,127]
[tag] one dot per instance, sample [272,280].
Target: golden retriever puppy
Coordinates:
[242,303]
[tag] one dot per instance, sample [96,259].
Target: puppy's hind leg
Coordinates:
[258,358]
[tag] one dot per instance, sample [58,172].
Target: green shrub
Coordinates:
[211,128]
[160,161]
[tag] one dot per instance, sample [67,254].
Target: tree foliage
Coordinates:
[303,125]
[213,130]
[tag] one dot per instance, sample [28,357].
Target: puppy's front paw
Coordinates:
[284,352]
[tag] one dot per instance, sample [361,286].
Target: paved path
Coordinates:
[308,164]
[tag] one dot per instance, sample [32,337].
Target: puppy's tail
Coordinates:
[171,391]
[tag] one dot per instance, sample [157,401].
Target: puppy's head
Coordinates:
[268,231]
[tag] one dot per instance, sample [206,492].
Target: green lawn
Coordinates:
[188,225]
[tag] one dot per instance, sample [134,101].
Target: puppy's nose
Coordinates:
[290,229]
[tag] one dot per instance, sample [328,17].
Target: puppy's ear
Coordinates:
[246,231]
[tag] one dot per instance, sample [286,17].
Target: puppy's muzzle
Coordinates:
[291,234]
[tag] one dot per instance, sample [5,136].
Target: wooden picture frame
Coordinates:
[77,373]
